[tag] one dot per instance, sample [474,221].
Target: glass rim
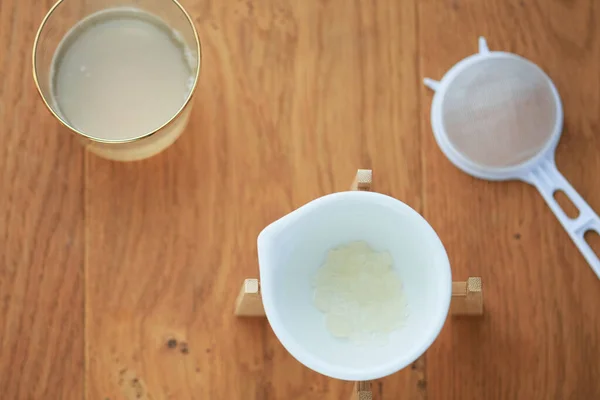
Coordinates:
[115,141]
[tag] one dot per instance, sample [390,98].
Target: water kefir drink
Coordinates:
[121,73]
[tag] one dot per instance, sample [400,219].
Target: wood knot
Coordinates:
[184,348]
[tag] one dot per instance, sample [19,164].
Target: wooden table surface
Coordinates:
[117,280]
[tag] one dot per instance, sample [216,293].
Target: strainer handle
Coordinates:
[548,180]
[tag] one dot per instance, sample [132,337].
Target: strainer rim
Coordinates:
[464,163]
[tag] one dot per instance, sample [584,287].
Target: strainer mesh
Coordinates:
[499,112]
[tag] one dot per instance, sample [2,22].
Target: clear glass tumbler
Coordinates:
[59,21]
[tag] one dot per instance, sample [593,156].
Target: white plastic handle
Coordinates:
[548,180]
[483,47]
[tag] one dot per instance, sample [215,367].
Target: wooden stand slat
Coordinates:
[363,180]
[249,302]
[362,391]
[467,298]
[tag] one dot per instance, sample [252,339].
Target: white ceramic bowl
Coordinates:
[291,250]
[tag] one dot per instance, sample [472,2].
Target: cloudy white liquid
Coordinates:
[121,73]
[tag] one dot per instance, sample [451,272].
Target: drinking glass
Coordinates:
[61,18]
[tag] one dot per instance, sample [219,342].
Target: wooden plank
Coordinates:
[539,337]
[293,97]
[41,229]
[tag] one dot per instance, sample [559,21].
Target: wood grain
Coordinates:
[294,97]
[41,230]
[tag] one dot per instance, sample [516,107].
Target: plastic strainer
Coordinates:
[498,116]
